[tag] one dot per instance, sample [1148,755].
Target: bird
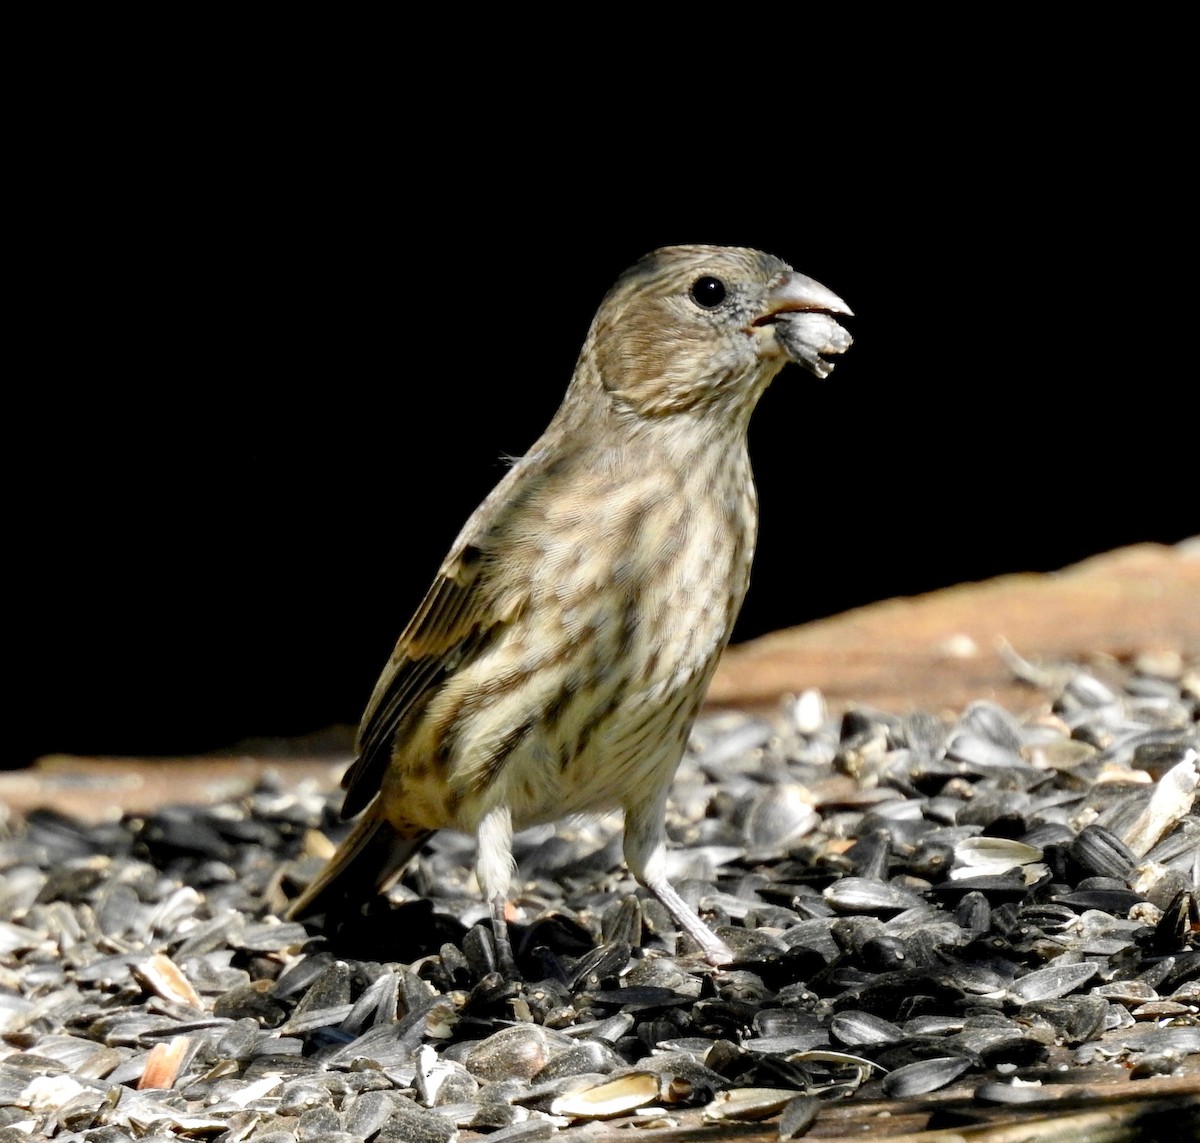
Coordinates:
[558,661]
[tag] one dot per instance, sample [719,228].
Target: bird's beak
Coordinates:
[797,293]
[798,313]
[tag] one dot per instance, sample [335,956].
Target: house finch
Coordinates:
[558,661]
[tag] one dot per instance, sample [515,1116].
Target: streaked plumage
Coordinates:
[558,661]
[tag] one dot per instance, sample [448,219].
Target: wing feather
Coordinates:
[450,625]
[456,620]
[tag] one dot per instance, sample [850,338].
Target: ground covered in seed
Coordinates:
[913,902]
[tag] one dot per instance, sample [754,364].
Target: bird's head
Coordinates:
[698,327]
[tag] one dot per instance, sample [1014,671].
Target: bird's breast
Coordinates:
[585,701]
[651,569]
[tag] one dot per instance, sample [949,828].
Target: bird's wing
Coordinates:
[455,621]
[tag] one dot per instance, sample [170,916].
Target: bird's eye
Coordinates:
[708,292]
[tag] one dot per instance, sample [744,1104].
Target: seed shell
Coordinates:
[909,900]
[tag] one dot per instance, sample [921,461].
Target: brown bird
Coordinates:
[557,663]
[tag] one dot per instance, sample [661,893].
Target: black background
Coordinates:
[281,320]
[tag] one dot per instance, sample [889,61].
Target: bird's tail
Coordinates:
[372,854]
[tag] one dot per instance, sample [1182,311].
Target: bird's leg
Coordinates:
[505,961]
[494,867]
[646,856]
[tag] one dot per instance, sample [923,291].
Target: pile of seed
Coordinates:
[912,902]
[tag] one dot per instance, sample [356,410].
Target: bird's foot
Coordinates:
[716,951]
